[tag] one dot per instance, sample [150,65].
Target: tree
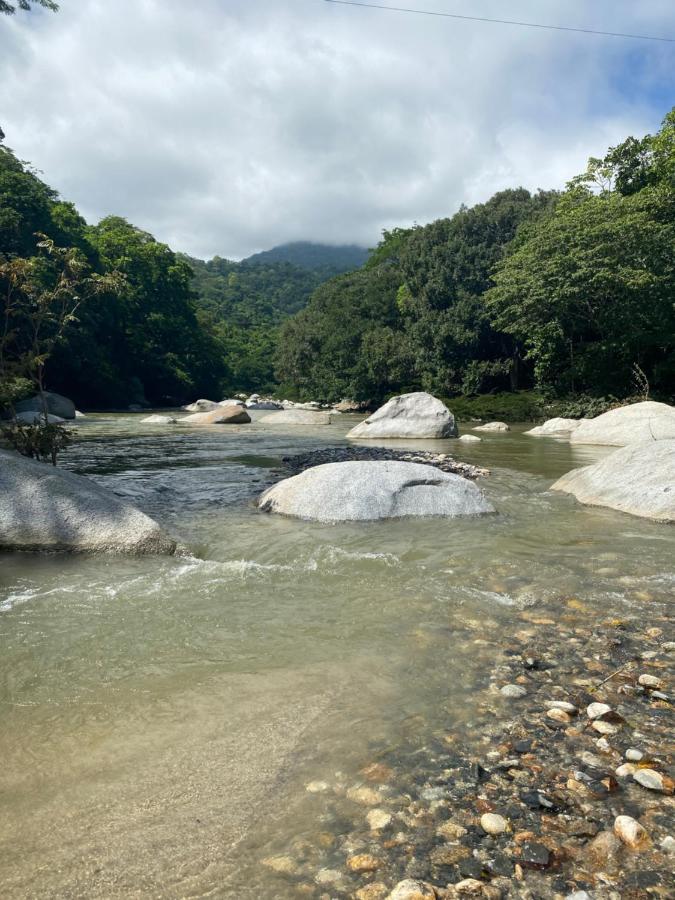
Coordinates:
[9,8]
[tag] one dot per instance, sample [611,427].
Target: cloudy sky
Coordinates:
[229,126]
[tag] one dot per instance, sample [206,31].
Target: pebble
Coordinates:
[603,745]
[603,727]
[469,886]
[534,855]
[412,890]
[631,833]
[363,862]
[668,845]
[364,795]
[562,704]
[651,681]
[317,787]
[652,780]
[625,770]
[513,691]
[451,831]
[491,823]
[282,865]
[593,710]
[559,715]
[328,876]
[378,819]
[579,895]
[633,755]
[374,891]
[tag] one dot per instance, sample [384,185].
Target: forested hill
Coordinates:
[325,258]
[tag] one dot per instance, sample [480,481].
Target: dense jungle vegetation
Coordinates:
[567,294]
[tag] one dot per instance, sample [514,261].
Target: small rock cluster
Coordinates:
[559,789]
[348,454]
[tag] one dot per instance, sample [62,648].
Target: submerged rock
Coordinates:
[159,420]
[416,415]
[221,415]
[57,405]
[46,508]
[297,417]
[639,480]
[492,426]
[412,890]
[351,491]
[554,427]
[647,421]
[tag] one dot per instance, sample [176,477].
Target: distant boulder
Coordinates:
[492,426]
[159,420]
[646,421]
[47,508]
[297,417]
[352,491]
[554,427]
[232,401]
[256,402]
[417,415]
[35,418]
[470,439]
[638,479]
[352,406]
[201,406]
[56,405]
[221,415]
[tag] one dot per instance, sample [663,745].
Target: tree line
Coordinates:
[566,292]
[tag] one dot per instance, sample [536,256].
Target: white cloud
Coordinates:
[226,126]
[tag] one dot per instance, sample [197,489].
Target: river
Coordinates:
[161,717]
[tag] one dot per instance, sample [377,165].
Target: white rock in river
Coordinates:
[417,415]
[32,417]
[221,415]
[513,691]
[492,426]
[639,479]
[647,421]
[158,420]
[593,710]
[232,401]
[201,406]
[57,405]
[491,823]
[412,890]
[46,508]
[554,427]
[297,417]
[471,439]
[350,491]
[631,833]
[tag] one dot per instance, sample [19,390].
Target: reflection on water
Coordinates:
[160,717]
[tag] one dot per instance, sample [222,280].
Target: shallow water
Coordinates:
[161,717]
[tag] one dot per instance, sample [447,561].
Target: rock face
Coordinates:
[56,405]
[417,415]
[639,479]
[297,417]
[555,427]
[647,421]
[33,418]
[159,420]
[221,415]
[45,508]
[201,406]
[492,426]
[350,491]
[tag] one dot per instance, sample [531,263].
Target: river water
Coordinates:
[161,717]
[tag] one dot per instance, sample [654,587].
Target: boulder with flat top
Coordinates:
[646,421]
[221,415]
[417,415]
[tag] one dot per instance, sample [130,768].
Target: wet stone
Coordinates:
[534,855]
[513,691]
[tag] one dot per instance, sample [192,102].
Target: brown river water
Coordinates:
[160,718]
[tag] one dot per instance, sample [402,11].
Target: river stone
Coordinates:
[640,422]
[513,691]
[554,427]
[491,823]
[412,890]
[631,833]
[639,480]
[232,401]
[492,426]
[33,417]
[201,406]
[56,405]
[593,710]
[297,417]
[653,780]
[46,508]
[417,415]
[221,415]
[471,439]
[158,420]
[351,491]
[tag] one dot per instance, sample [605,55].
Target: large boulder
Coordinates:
[46,508]
[348,491]
[297,417]
[56,405]
[554,427]
[201,406]
[492,426]
[221,415]
[638,479]
[417,415]
[646,421]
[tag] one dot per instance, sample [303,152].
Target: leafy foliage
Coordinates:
[42,441]
[324,258]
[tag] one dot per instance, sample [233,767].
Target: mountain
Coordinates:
[316,257]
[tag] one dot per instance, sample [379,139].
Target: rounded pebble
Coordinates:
[562,704]
[491,823]
[378,818]
[651,779]
[558,715]
[631,833]
[513,691]
[633,755]
[604,727]
[593,710]
[650,681]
